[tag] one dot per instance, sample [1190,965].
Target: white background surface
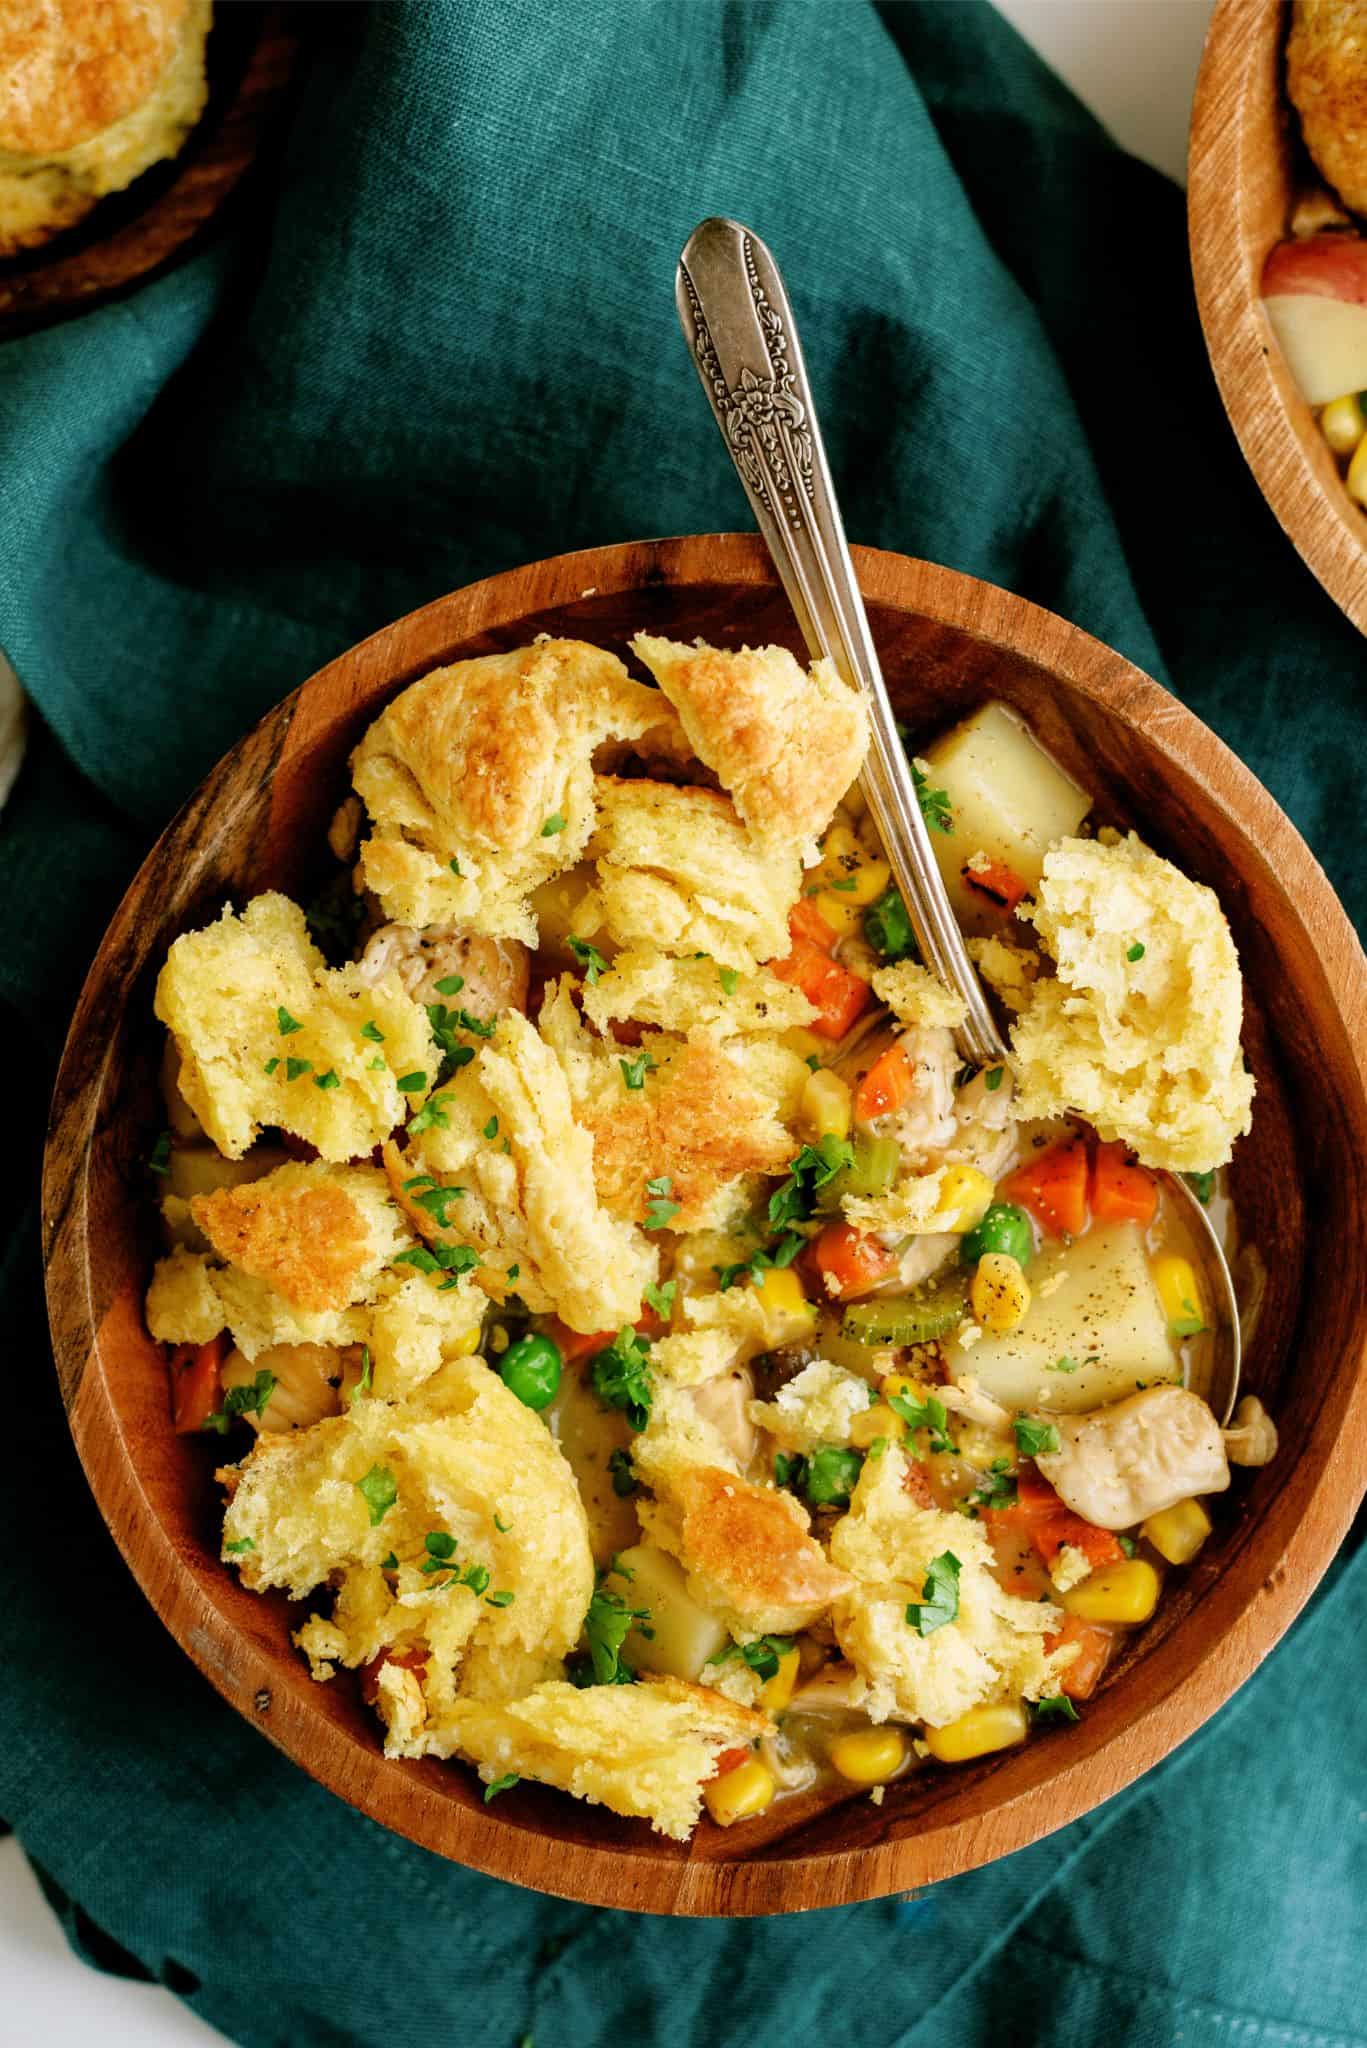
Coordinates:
[1134,63]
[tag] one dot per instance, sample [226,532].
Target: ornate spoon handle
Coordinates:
[739,325]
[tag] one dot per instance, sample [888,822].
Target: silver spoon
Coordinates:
[739,325]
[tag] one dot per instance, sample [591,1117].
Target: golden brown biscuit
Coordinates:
[92,92]
[302,1232]
[478,779]
[785,743]
[699,1122]
[1326,76]
[747,1549]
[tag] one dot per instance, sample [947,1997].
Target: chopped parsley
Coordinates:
[589,958]
[432,1116]
[243,1543]
[762,1656]
[502,1526]
[248,1400]
[939,1601]
[1056,1707]
[846,885]
[436,1201]
[379,1490]
[623,1474]
[491,1128]
[1033,1437]
[790,1469]
[376,1065]
[936,808]
[929,1414]
[390,1563]
[814,1167]
[450,984]
[634,1071]
[371,1030]
[555,823]
[1127,1544]
[1062,1365]
[660,1210]
[362,1385]
[1202,1185]
[286,1023]
[503,1784]
[622,1378]
[329,1080]
[454,865]
[159,1158]
[607,1625]
[992,1079]
[1190,1322]
[451,1259]
[294,1069]
[412,1084]
[271,1065]
[1134,952]
[996,1487]
[785,1250]
[730,980]
[659,1295]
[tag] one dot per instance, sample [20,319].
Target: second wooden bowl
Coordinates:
[1241,186]
[947,643]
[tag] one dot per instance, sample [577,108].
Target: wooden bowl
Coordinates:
[1245,165]
[161,217]
[947,642]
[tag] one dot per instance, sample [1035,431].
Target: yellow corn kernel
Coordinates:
[465,1346]
[978,1732]
[1180,1293]
[1000,1294]
[1177,1533]
[845,862]
[1118,1592]
[825,1109]
[902,1383]
[1342,424]
[741,1794]
[776,1692]
[965,1197]
[840,912]
[875,1422]
[788,1315]
[870,1756]
[1357,473]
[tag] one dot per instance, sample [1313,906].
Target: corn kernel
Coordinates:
[1000,1293]
[869,1756]
[1180,1293]
[899,1383]
[844,861]
[825,1109]
[465,1346]
[788,1315]
[1125,1592]
[965,1197]
[776,1692]
[1357,473]
[741,1794]
[840,912]
[875,1422]
[978,1732]
[1342,424]
[1177,1533]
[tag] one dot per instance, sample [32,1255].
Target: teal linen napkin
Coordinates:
[445,346]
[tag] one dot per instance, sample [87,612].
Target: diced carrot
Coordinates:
[196,1384]
[1121,1188]
[1036,1501]
[574,1345]
[849,1262]
[837,995]
[1053,1187]
[889,1083]
[730,1760]
[1095,1643]
[406,1660]
[1098,1546]
[916,1482]
[998,884]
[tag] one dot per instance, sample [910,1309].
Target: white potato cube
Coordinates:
[683,1635]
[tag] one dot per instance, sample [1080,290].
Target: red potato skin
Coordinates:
[1323,266]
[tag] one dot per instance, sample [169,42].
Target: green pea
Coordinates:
[1004,1228]
[830,1476]
[531,1370]
[888,928]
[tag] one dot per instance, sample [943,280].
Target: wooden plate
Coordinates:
[129,236]
[1241,179]
[948,642]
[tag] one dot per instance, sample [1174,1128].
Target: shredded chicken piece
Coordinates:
[495,973]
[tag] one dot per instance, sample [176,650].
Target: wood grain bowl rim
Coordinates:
[1237,196]
[1292,1543]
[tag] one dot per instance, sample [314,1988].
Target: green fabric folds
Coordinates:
[447,344]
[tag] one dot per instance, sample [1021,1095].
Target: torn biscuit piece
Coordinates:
[645,986]
[679,871]
[748,1550]
[479,785]
[268,1034]
[784,741]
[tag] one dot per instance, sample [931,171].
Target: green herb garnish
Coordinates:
[660,1210]
[939,1601]
[589,958]
[1033,1437]
[379,1490]
[622,1377]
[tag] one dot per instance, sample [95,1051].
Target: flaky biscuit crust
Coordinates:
[1326,77]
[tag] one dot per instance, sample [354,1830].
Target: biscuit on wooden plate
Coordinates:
[1326,76]
[92,93]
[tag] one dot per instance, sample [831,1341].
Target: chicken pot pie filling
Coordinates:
[663,1369]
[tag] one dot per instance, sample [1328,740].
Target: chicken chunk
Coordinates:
[1119,1464]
